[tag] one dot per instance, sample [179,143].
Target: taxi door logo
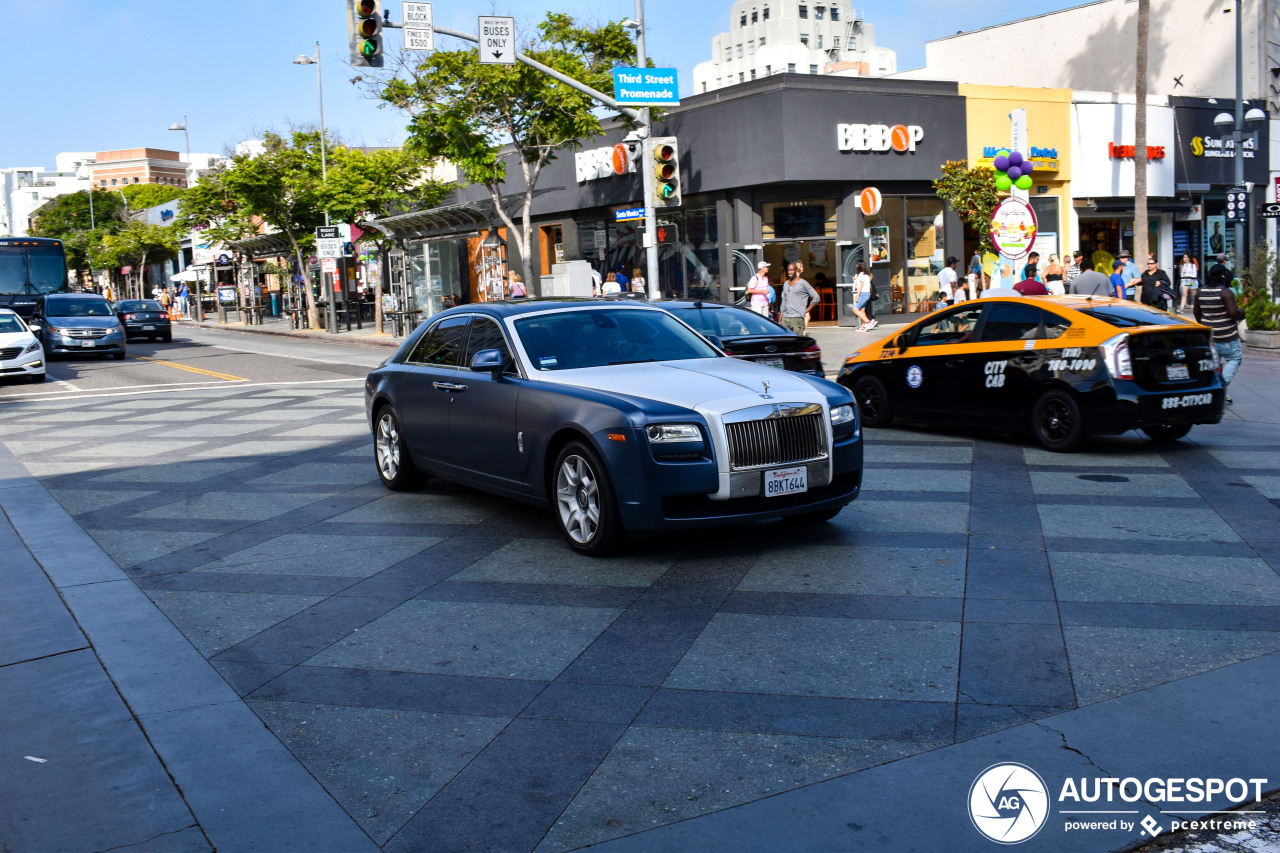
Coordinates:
[915,376]
[1008,803]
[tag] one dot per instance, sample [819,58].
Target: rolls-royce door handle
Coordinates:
[452,387]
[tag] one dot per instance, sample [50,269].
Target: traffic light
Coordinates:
[364,26]
[666,168]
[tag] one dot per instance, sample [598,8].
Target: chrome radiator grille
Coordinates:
[776,441]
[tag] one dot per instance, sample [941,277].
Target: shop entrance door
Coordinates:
[848,256]
[743,259]
[821,270]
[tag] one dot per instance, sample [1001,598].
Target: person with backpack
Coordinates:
[760,292]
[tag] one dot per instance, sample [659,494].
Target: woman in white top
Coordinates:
[861,296]
[610,286]
[1189,278]
[638,284]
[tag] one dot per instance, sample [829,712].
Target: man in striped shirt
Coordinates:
[1073,270]
[1216,307]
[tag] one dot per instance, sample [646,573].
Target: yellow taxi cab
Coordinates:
[1064,367]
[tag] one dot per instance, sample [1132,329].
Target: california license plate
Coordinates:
[1177,372]
[88,343]
[786,481]
[773,362]
[148,328]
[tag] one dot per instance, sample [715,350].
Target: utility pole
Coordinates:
[1241,249]
[650,238]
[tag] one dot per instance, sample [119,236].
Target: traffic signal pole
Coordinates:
[650,236]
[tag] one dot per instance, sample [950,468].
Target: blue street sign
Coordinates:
[646,87]
[629,213]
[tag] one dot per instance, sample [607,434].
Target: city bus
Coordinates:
[29,268]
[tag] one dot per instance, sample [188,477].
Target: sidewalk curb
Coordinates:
[364,340]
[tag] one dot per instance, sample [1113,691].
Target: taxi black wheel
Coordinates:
[1166,432]
[582,499]
[395,468]
[873,402]
[1057,423]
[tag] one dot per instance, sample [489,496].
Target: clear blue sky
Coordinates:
[119,72]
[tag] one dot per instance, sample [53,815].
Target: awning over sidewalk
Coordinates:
[445,221]
[264,246]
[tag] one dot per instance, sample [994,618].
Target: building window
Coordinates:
[804,39]
[755,16]
[742,78]
[813,69]
[135,180]
[819,12]
[819,41]
[113,182]
[704,85]
[743,20]
[835,13]
[804,11]
[762,41]
[766,13]
[791,68]
[728,53]
[751,47]
[835,41]
[104,182]
[753,74]
[768,70]
[739,51]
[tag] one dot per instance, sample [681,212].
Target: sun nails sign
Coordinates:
[878,137]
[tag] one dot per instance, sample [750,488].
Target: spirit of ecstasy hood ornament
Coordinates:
[766,390]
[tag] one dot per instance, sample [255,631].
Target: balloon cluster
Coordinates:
[1012,170]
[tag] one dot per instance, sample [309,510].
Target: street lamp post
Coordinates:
[195,308]
[324,170]
[1238,134]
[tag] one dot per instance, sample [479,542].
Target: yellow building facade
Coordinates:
[1049,138]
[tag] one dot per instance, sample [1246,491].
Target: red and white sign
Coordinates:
[870,201]
[1126,152]
[878,137]
[1013,228]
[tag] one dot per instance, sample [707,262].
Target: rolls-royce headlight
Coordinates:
[841,415]
[667,433]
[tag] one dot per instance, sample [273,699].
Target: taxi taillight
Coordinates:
[1115,355]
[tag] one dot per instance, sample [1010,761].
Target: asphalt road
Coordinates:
[445,673]
[199,358]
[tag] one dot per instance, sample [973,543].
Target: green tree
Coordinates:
[142,196]
[135,245]
[484,118]
[972,194]
[67,218]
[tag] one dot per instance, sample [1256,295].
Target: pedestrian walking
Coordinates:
[947,281]
[797,300]
[610,286]
[1053,276]
[1073,271]
[1090,282]
[759,290]
[1031,269]
[1129,273]
[638,284]
[1030,285]
[861,296]
[517,286]
[1216,307]
[1157,289]
[596,282]
[620,276]
[1188,278]
[1117,280]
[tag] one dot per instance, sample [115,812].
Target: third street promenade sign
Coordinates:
[646,87]
[497,40]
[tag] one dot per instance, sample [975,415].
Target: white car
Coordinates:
[20,351]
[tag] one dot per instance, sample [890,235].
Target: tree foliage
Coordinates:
[285,188]
[67,218]
[972,194]
[142,196]
[486,118]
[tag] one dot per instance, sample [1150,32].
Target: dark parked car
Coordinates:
[614,415]
[78,323]
[144,318]
[746,335]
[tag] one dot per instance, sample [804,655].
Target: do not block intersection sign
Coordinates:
[497,40]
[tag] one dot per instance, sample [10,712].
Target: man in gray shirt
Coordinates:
[1090,282]
[797,299]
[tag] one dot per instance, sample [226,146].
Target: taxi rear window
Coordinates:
[1128,316]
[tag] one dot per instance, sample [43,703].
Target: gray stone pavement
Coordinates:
[245,643]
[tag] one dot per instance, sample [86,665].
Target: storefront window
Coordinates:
[687,268]
[926,253]
[884,249]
